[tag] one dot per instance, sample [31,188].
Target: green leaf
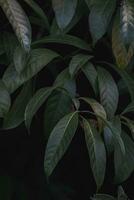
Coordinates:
[20,59]
[64,11]
[98,110]
[109,94]
[97,153]
[58,105]
[122,56]
[109,139]
[38,59]
[100,17]
[77,62]
[130,124]
[39,11]
[15,116]
[59,141]
[35,103]
[129,108]
[64,39]
[91,74]
[65,81]
[19,21]
[127,21]
[121,194]
[5,100]
[103,197]
[123,169]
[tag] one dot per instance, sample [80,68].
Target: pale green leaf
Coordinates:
[18,20]
[59,141]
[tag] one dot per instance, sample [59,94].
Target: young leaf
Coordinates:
[109,94]
[91,74]
[35,103]
[19,21]
[127,21]
[5,100]
[100,17]
[58,105]
[39,11]
[97,153]
[77,62]
[38,59]
[122,56]
[16,114]
[59,141]
[64,11]
[64,39]
[123,169]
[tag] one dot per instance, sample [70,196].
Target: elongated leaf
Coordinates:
[16,114]
[39,11]
[64,11]
[109,94]
[64,39]
[124,169]
[98,110]
[100,17]
[123,57]
[38,59]
[127,21]
[5,100]
[77,62]
[65,81]
[129,108]
[35,103]
[91,74]
[121,194]
[59,141]
[58,105]
[109,140]
[103,197]
[97,153]
[20,59]
[130,124]
[18,20]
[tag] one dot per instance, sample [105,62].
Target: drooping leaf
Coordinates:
[123,169]
[97,153]
[91,74]
[15,116]
[5,100]
[20,59]
[98,110]
[77,62]
[64,11]
[35,103]
[39,11]
[59,141]
[58,105]
[65,81]
[121,54]
[64,39]
[103,197]
[38,59]
[109,94]
[18,20]
[100,17]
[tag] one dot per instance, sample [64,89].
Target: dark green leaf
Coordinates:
[77,62]
[64,11]
[16,114]
[35,103]
[103,197]
[121,194]
[64,39]
[59,141]
[109,94]
[58,105]
[5,100]
[100,17]
[97,153]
